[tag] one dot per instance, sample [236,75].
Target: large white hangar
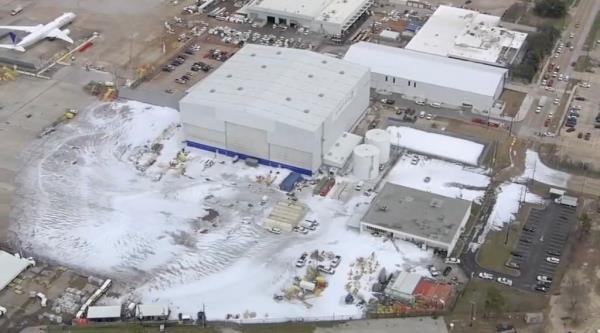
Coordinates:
[436,79]
[332,17]
[469,35]
[284,107]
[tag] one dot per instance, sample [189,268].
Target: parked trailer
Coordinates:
[290,181]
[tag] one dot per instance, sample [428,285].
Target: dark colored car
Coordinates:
[447,271]
[528,229]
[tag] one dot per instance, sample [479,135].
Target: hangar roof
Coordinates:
[297,87]
[335,11]
[10,268]
[427,68]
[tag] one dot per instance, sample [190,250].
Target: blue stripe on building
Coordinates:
[244,156]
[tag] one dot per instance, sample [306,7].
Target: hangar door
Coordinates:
[247,140]
[291,156]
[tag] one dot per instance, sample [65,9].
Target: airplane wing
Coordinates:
[57,33]
[29,29]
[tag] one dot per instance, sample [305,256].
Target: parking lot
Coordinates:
[543,236]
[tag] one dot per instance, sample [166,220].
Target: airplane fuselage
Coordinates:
[44,30]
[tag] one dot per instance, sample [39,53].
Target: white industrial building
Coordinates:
[416,216]
[10,267]
[332,17]
[468,35]
[284,107]
[421,76]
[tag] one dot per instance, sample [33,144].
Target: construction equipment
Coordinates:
[66,116]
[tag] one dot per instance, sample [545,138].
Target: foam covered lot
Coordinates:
[83,201]
[439,145]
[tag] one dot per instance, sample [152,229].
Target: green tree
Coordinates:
[550,8]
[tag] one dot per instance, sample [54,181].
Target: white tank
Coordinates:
[380,139]
[366,161]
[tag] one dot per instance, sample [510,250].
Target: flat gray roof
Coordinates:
[104,312]
[10,268]
[416,212]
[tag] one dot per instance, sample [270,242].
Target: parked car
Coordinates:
[435,105]
[433,271]
[327,270]
[504,281]
[388,101]
[422,114]
[579,135]
[541,288]
[587,136]
[544,278]
[528,228]
[452,261]
[553,252]
[336,261]
[512,264]
[486,276]
[553,260]
[168,68]
[570,129]
[447,271]
[302,260]
[274,230]
[420,102]
[300,229]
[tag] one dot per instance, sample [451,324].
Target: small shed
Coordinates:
[104,313]
[556,193]
[389,35]
[567,201]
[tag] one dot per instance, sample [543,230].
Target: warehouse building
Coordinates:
[420,217]
[432,78]
[331,17]
[10,267]
[284,107]
[469,35]
[104,313]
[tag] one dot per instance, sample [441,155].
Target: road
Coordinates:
[584,15]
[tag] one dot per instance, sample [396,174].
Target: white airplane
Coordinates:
[39,32]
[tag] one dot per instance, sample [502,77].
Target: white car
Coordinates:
[420,102]
[571,35]
[556,101]
[486,276]
[550,88]
[504,281]
[433,271]
[429,116]
[538,109]
[274,230]
[553,260]
[422,114]
[544,278]
[435,105]
[452,261]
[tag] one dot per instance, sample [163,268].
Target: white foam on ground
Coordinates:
[439,145]
[443,178]
[537,170]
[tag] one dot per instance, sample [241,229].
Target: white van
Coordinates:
[16,11]
[435,105]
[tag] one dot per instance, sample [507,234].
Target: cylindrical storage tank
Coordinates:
[366,161]
[380,139]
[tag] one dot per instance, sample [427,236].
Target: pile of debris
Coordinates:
[105,91]
[69,302]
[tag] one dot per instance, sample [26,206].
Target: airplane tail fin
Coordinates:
[12,47]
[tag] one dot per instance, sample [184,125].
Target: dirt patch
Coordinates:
[512,100]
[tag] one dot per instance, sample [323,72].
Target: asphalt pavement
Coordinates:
[553,225]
